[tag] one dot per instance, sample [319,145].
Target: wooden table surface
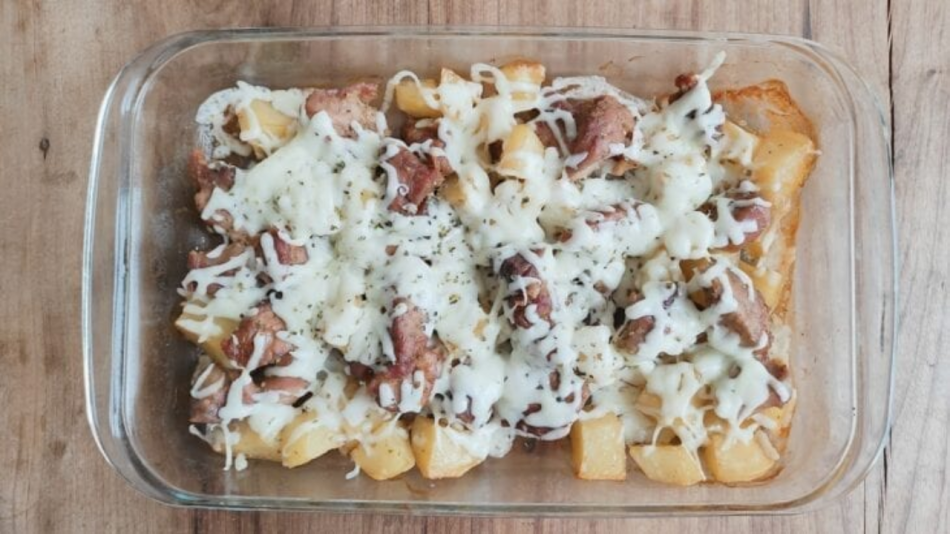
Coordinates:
[56,60]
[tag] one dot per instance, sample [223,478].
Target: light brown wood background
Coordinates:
[56,60]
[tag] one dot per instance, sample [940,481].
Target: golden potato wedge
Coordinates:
[649,403]
[525,77]
[781,415]
[521,153]
[456,94]
[781,165]
[737,461]
[437,453]
[410,101]
[781,422]
[774,414]
[738,144]
[670,464]
[453,192]
[450,77]
[187,324]
[304,439]
[522,139]
[385,455]
[275,127]
[765,107]
[597,449]
[248,443]
[524,70]
[782,161]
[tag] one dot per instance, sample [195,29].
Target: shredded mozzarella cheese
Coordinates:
[330,194]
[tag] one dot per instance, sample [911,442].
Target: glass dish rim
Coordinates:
[135,77]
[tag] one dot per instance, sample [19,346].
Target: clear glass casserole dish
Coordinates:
[139,226]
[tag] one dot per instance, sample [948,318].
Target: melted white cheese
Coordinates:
[321,191]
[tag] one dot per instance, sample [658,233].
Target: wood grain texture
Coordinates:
[918,482]
[58,58]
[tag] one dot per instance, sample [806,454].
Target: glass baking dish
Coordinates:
[140,223]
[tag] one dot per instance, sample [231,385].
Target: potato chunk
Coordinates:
[738,462]
[670,464]
[597,449]
[265,127]
[525,78]
[781,422]
[524,71]
[438,453]
[248,443]
[385,455]
[188,325]
[764,107]
[453,192]
[305,439]
[781,416]
[738,144]
[457,95]
[410,101]
[781,164]
[521,154]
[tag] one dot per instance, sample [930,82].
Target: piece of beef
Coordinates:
[496,150]
[546,135]
[207,177]
[418,181]
[684,84]
[616,212]
[346,106]
[198,259]
[601,122]
[535,292]
[408,331]
[747,206]
[750,320]
[239,346]
[205,409]
[287,253]
[360,371]
[413,134]
[414,351]
[541,431]
[634,333]
[744,207]
[776,368]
